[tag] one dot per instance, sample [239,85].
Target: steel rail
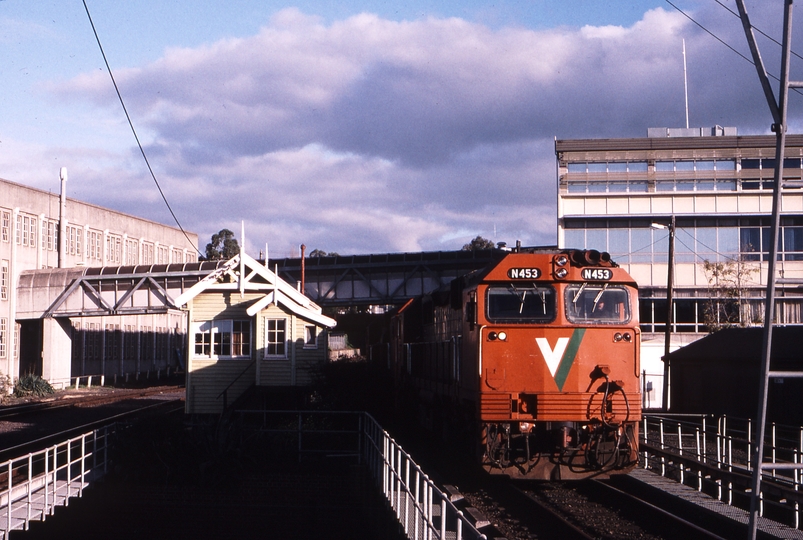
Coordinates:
[653,508]
[24,408]
[574,530]
[67,433]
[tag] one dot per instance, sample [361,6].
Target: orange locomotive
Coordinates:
[535,357]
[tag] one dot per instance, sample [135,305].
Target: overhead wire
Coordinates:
[134,131]
[712,34]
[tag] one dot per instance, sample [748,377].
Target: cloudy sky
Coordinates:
[358,127]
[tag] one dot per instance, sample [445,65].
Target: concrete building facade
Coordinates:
[40,229]
[620,195]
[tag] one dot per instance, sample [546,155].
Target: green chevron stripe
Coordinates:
[568,357]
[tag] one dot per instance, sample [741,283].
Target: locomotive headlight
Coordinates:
[493,336]
[502,336]
[618,336]
[561,273]
[561,260]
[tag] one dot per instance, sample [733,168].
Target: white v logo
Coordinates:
[552,356]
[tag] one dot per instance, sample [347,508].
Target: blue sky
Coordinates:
[356,127]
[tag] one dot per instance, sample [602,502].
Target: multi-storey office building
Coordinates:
[39,229]
[619,196]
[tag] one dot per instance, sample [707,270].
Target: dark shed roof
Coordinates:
[743,345]
[720,374]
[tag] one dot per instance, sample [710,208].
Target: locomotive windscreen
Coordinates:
[597,304]
[520,304]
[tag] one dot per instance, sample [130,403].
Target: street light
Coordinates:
[670,274]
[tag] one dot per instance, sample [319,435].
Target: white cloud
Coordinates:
[369,135]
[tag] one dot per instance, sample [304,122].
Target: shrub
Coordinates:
[32,385]
[6,388]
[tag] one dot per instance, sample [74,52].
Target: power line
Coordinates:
[134,131]
[759,30]
[712,34]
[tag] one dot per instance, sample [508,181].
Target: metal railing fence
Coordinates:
[424,512]
[34,484]
[713,454]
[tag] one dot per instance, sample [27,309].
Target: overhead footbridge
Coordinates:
[50,301]
[383,279]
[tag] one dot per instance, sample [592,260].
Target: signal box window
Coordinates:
[520,304]
[275,337]
[597,304]
[310,336]
[223,339]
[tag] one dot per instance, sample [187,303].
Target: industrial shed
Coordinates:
[247,327]
[721,373]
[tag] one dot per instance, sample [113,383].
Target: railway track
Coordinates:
[74,400]
[612,509]
[31,427]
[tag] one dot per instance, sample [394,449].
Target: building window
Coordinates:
[613,186]
[189,257]
[178,256]
[203,340]
[5,226]
[611,167]
[147,253]
[95,245]
[162,255]
[50,235]
[112,342]
[241,338]
[222,339]
[113,247]
[723,239]
[4,280]
[275,337]
[26,230]
[3,337]
[131,252]
[74,235]
[310,336]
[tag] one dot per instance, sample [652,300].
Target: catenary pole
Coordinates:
[778,111]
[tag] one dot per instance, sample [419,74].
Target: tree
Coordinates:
[222,246]
[479,243]
[322,253]
[726,306]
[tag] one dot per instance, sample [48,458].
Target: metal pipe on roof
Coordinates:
[303,268]
[63,218]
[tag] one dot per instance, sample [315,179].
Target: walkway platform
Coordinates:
[695,497]
[36,505]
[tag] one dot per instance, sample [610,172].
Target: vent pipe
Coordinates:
[303,268]
[63,219]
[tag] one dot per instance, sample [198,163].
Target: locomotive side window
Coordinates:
[597,304]
[516,303]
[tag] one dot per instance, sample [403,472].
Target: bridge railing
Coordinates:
[713,454]
[423,510]
[34,484]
